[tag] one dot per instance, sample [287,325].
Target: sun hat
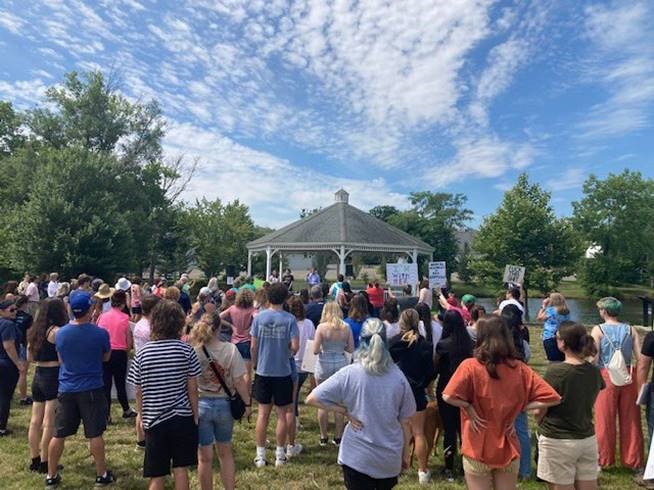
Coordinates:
[80,301]
[123,283]
[104,291]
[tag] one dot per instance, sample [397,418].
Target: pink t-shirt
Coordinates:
[241,320]
[141,334]
[117,324]
[32,292]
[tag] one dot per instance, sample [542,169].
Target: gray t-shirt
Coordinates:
[274,331]
[380,403]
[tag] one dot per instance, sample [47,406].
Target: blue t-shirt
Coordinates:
[7,332]
[552,322]
[356,327]
[81,349]
[274,331]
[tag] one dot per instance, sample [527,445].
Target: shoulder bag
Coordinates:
[236,403]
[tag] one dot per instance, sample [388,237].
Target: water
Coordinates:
[582,310]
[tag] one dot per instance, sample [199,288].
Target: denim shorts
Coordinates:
[244,349]
[216,421]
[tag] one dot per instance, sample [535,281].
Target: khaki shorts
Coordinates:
[562,461]
[477,468]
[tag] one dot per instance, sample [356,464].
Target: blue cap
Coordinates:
[80,301]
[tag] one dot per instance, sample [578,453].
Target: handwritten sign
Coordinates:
[514,274]
[437,275]
[401,274]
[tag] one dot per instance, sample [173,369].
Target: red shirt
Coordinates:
[376,296]
[498,401]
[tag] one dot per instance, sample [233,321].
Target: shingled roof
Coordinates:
[340,225]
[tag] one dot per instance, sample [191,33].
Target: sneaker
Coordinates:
[51,482]
[140,444]
[280,460]
[336,441]
[293,451]
[6,432]
[448,475]
[26,401]
[323,441]
[43,467]
[424,477]
[103,481]
[35,464]
[129,414]
[259,462]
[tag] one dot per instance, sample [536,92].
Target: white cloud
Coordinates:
[23,93]
[10,22]
[623,37]
[572,178]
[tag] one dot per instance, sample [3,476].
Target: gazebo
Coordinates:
[340,228]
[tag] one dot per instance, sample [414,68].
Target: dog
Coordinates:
[433,429]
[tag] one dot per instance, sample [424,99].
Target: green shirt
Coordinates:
[578,386]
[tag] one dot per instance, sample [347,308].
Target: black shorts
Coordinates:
[273,389]
[88,406]
[552,351]
[355,480]
[174,440]
[45,385]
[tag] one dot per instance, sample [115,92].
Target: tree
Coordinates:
[218,234]
[524,231]
[616,216]
[11,136]
[384,212]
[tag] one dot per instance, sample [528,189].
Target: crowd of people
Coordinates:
[387,367]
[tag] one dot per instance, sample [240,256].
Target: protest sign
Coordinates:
[514,274]
[398,275]
[437,275]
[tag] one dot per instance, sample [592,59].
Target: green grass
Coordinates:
[316,467]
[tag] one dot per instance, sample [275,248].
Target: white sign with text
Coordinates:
[398,275]
[437,275]
[514,274]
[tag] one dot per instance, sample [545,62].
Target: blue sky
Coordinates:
[286,101]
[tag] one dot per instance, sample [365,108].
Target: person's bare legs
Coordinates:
[323,422]
[140,433]
[339,424]
[503,480]
[281,430]
[157,483]
[406,448]
[290,425]
[227,466]
[22,382]
[552,486]
[585,485]
[36,425]
[205,469]
[96,446]
[181,478]
[263,416]
[55,450]
[47,428]
[478,482]
[248,373]
[417,424]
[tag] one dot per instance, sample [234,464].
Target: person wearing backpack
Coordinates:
[618,350]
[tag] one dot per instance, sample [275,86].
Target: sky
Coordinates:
[284,102]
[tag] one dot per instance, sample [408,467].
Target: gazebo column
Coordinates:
[281,261]
[268,261]
[414,256]
[341,260]
[249,263]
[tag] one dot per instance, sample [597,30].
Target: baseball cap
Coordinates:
[468,298]
[80,301]
[4,304]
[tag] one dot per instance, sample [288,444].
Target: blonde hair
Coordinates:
[373,353]
[332,315]
[204,330]
[409,326]
[557,300]
[172,293]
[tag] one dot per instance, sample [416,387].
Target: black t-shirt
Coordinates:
[23,322]
[415,361]
[313,311]
[648,345]
[288,279]
[406,302]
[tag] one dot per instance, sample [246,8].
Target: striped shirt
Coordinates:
[162,368]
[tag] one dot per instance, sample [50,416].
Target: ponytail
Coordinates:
[409,320]
[588,346]
[577,340]
[372,353]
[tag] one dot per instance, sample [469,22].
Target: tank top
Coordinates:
[135,295]
[48,351]
[332,349]
[620,335]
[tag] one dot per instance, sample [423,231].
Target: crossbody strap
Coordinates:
[216,372]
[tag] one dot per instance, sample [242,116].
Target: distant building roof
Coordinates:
[340,225]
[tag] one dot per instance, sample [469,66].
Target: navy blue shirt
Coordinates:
[23,323]
[7,332]
[81,349]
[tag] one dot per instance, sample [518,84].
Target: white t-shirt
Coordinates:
[511,301]
[392,329]
[436,332]
[52,289]
[141,334]
[32,292]
[307,332]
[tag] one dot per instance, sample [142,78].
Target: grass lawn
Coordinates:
[315,468]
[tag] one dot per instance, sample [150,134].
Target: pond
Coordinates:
[583,310]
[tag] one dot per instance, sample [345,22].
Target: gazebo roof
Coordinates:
[340,225]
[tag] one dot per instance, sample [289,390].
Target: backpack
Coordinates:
[619,374]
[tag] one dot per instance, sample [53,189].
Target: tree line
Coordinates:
[85,187]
